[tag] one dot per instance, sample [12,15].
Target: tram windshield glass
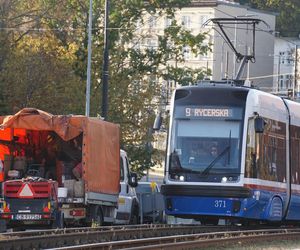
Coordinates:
[206,144]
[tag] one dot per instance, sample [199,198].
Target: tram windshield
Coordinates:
[205,149]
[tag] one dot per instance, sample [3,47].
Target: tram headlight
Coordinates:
[229,179]
[177,177]
[224,179]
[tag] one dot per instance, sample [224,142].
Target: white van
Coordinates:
[128,205]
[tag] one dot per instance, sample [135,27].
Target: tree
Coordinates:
[175,40]
[287,23]
[37,74]
[54,62]
[35,70]
[139,69]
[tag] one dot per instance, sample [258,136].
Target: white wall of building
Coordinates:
[221,59]
[261,71]
[284,64]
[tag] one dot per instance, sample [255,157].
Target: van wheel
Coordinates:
[134,217]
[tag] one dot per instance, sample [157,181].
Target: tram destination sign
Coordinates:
[205,112]
[210,112]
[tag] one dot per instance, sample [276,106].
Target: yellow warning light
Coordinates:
[153,186]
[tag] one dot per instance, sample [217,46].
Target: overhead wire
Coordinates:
[147,23]
[270,32]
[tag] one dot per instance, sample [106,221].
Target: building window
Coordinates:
[290,60]
[151,43]
[186,21]
[282,57]
[168,22]
[170,44]
[281,82]
[203,19]
[289,79]
[186,52]
[152,22]
[136,44]
[287,83]
[138,25]
[167,90]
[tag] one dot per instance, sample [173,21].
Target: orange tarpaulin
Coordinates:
[101,149]
[66,126]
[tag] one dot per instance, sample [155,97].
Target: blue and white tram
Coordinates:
[253,173]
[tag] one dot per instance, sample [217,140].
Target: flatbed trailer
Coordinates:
[55,194]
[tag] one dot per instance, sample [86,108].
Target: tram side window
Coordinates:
[273,142]
[295,154]
[266,152]
[251,152]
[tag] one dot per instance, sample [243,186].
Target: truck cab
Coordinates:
[128,205]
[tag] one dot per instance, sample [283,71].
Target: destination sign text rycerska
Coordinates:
[208,112]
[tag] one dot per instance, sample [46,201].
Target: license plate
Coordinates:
[28,217]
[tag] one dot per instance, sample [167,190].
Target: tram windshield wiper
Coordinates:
[229,145]
[209,167]
[227,149]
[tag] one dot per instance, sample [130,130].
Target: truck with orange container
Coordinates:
[59,169]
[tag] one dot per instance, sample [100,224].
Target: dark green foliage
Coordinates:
[287,22]
[43,65]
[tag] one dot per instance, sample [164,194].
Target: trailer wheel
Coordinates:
[95,216]
[97,219]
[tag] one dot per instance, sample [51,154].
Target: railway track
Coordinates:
[76,236]
[137,237]
[193,241]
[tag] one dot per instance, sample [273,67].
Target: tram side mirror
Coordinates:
[259,125]
[157,122]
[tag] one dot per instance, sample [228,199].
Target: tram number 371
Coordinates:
[220,203]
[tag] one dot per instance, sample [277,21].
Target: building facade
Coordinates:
[286,66]
[221,60]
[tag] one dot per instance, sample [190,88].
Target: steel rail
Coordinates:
[114,235]
[242,240]
[85,237]
[192,241]
[73,230]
